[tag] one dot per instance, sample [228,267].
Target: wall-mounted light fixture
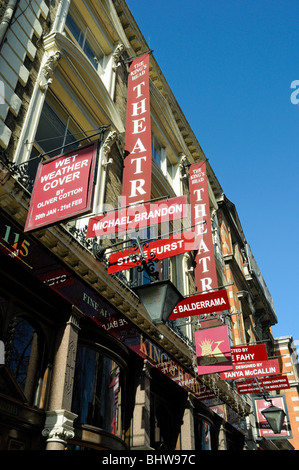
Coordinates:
[159,299]
[275,417]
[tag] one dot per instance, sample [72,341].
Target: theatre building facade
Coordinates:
[90,126]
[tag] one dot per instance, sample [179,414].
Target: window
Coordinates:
[80,33]
[156,151]
[56,129]
[96,393]
[21,337]
[202,435]
[162,424]
[23,352]
[159,154]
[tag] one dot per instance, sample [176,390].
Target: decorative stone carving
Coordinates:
[116,55]
[59,426]
[48,70]
[106,147]
[70,368]
[182,165]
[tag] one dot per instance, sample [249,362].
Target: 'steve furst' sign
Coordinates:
[138,159]
[162,248]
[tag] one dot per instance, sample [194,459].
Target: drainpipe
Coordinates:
[6,20]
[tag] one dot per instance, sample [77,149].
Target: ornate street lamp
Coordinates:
[274,416]
[159,299]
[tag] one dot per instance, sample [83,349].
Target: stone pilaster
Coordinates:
[59,423]
[187,428]
[141,416]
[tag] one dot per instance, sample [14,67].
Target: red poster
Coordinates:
[213,350]
[132,218]
[205,268]
[162,248]
[269,384]
[250,353]
[201,304]
[63,188]
[252,369]
[138,153]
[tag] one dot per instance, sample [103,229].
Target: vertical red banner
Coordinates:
[205,268]
[138,153]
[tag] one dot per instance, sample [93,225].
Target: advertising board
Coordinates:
[63,188]
[198,304]
[252,369]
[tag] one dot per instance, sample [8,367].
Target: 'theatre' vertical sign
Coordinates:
[138,159]
[205,269]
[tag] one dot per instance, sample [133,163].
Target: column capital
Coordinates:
[59,426]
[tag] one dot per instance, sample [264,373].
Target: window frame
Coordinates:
[87,39]
[103,352]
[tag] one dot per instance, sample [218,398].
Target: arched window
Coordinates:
[24,351]
[96,393]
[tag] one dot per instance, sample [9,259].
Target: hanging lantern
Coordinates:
[159,299]
[275,417]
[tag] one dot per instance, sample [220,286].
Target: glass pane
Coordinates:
[19,349]
[203,436]
[90,54]
[157,153]
[74,29]
[81,40]
[33,164]
[96,390]
[51,130]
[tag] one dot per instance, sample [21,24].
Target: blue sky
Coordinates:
[230,65]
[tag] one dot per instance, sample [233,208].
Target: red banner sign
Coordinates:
[138,154]
[205,268]
[250,353]
[272,383]
[141,215]
[252,369]
[213,350]
[163,248]
[63,188]
[201,304]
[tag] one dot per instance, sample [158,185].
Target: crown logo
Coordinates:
[210,355]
